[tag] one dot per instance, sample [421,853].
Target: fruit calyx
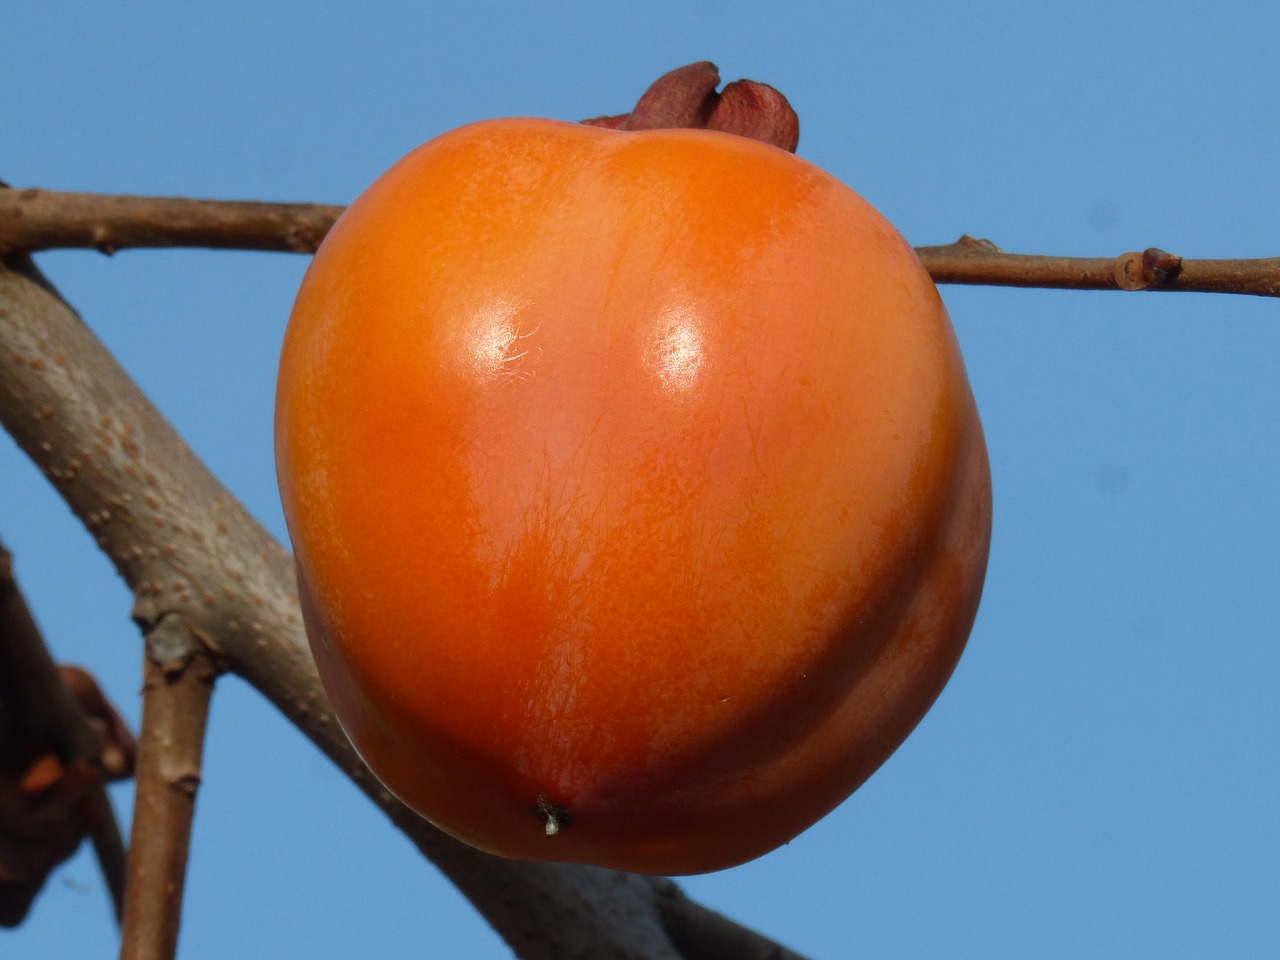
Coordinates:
[687,98]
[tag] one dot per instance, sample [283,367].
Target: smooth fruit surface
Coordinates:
[636,486]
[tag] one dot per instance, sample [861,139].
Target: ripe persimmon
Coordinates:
[639,497]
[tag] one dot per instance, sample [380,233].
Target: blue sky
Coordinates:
[1098,780]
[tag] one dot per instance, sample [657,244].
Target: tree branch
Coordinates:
[34,692]
[973,261]
[177,688]
[35,220]
[194,557]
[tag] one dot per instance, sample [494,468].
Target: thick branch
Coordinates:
[34,220]
[177,687]
[193,556]
[706,935]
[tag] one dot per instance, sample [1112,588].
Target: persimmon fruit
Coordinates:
[639,497]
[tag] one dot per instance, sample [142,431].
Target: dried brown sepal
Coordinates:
[609,123]
[756,110]
[686,98]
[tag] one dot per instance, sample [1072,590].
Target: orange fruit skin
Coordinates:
[634,478]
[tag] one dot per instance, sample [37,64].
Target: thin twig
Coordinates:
[177,688]
[973,261]
[108,847]
[35,220]
[33,689]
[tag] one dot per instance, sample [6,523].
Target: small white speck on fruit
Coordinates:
[552,816]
